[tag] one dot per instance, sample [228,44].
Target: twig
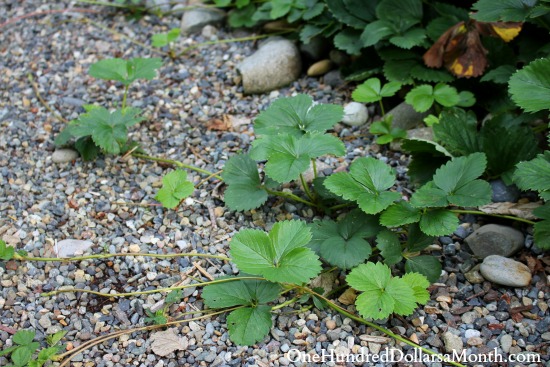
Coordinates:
[202,271]
[37,93]
[47,12]
[106,256]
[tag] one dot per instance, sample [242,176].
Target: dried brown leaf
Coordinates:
[519,210]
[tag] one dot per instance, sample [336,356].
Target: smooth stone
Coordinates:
[506,343]
[503,193]
[70,247]
[274,65]
[319,68]
[194,20]
[452,342]
[334,79]
[209,31]
[405,117]
[64,155]
[495,239]
[473,276]
[70,101]
[504,271]
[355,114]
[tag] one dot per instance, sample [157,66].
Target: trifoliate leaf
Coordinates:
[429,266]
[381,294]
[343,244]
[439,222]
[400,214]
[249,325]
[163,39]
[296,116]
[418,282]
[175,188]
[246,292]
[289,156]
[534,174]
[366,184]
[126,71]
[446,95]
[372,91]
[244,191]
[390,247]
[423,96]
[280,256]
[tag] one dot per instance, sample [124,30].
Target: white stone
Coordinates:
[504,271]
[355,114]
[64,155]
[70,247]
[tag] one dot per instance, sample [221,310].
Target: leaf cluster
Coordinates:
[23,352]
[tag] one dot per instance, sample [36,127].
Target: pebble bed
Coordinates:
[108,201]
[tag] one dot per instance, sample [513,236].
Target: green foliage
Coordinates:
[542,228]
[371,90]
[506,11]
[534,174]
[250,324]
[160,316]
[530,86]
[175,188]
[164,39]
[423,96]
[100,129]
[126,71]
[390,247]
[23,352]
[366,183]
[429,266]
[244,191]
[344,243]
[385,131]
[280,256]
[383,294]
[6,252]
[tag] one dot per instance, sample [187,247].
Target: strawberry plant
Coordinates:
[166,39]
[23,353]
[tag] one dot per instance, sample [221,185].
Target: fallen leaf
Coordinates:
[524,211]
[218,125]
[166,342]
[325,281]
[348,297]
[235,121]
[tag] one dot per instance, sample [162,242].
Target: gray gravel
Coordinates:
[108,202]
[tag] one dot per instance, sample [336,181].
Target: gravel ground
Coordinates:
[107,202]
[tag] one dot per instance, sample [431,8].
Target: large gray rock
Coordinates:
[194,20]
[275,64]
[495,239]
[405,117]
[504,271]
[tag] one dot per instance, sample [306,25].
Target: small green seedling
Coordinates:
[386,133]
[160,317]
[166,39]
[23,352]
[372,90]
[175,188]
[423,97]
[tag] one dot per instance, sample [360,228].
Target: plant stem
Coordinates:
[341,206]
[139,293]
[177,163]
[288,195]
[107,256]
[306,188]
[478,212]
[344,312]
[314,165]
[72,353]
[284,304]
[382,108]
[125,96]
[207,178]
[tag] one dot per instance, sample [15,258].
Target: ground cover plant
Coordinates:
[375,237]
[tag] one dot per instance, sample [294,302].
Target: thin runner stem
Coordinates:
[288,195]
[306,188]
[478,212]
[107,256]
[176,163]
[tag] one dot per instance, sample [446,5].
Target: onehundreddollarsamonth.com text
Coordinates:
[392,355]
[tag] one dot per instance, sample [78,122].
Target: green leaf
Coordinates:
[542,234]
[87,148]
[466,99]
[418,283]
[281,256]
[399,70]
[344,15]
[530,86]
[296,116]
[382,293]
[348,40]
[534,174]
[343,244]
[457,131]
[400,214]
[499,75]
[375,32]
[389,246]
[429,266]
[6,351]
[21,356]
[504,10]
[242,17]
[244,292]
[24,337]
[474,193]
[175,188]
[425,74]
[410,38]
[439,222]
[175,296]
[289,156]
[429,196]
[47,353]
[249,325]
[244,191]
[55,338]
[124,71]
[446,95]
[163,39]
[410,10]
[366,184]
[372,91]
[6,253]
[421,98]
[417,240]
[280,8]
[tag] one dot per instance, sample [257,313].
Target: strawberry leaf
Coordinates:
[249,325]
[175,188]
[244,191]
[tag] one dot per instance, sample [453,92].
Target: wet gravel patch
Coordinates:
[110,202]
